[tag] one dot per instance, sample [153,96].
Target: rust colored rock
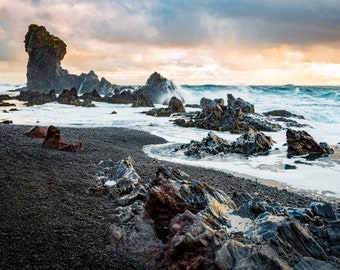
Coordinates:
[37,132]
[53,141]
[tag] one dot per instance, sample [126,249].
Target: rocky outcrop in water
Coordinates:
[237,117]
[249,143]
[36,97]
[159,89]
[70,97]
[175,106]
[179,223]
[301,143]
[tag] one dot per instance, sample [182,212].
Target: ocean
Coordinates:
[319,105]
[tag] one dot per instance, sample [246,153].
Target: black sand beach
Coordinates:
[48,219]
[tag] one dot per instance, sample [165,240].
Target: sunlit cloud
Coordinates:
[191,42]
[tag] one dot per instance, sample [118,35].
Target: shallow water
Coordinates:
[319,105]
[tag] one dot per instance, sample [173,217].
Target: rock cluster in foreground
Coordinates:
[175,222]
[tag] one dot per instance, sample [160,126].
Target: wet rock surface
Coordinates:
[175,106]
[186,224]
[301,143]
[236,117]
[249,143]
[159,89]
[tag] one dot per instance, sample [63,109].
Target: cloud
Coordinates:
[192,39]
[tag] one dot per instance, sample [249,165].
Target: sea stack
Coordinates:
[44,71]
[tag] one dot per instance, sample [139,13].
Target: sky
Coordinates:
[227,42]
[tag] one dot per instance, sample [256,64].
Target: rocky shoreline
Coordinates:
[50,217]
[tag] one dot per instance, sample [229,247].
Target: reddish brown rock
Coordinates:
[37,132]
[53,141]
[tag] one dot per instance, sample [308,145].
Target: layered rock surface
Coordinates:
[175,222]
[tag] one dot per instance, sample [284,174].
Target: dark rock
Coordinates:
[7,122]
[249,143]
[44,71]
[191,243]
[308,263]
[36,97]
[245,106]
[142,101]
[159,89]
[53,141]
[252,143]
[301,143]
[282,113]
[94,95]
[324,210]
[175,106]
[294,238]
[6,104]
[237,117]
[180,223]
[235,255]
[70,97]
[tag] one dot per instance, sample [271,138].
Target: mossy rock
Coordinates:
[38,37]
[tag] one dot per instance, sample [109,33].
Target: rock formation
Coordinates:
[175,106]
[176,222]
[159,89]
[301,143]
[236,117]
[249,143]
[44,71]
[52,139]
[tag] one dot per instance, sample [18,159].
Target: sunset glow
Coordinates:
[191,42]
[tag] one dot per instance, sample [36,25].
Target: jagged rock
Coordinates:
[183,224]
[308,263]
[252,142]
[93,95]
[44,71]
[135,238]
[70,97]
[169,197]
[235,255]
[5,97]
[237,117]
[175,106]
[159,89]
[245,106]
[37,132]
[252,209]
[249,143]
[45,54]
[301,143]
[53,141]
[191,243]
[324,210]
[36,97]
[295,239]
[142,101]
[282,113]
[212,144]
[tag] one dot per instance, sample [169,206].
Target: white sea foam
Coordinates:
[322,114]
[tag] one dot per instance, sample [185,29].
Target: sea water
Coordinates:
[319,105]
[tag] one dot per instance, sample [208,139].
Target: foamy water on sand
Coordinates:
[321,108]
